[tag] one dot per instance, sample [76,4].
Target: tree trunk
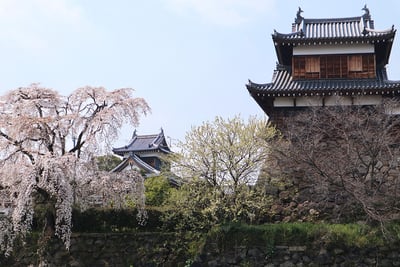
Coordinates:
[45,205]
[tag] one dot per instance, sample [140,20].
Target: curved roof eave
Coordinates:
[283,85]
[281,39]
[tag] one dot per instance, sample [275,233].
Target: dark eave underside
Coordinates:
[144,143]
[293,40]
[284,85]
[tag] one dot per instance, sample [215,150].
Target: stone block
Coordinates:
[297,248]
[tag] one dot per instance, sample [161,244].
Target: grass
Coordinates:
[305,234]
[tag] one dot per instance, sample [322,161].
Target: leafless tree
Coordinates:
[349,156]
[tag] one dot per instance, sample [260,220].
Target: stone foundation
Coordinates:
[291,256]
[170,249]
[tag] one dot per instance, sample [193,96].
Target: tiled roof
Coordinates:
[149,170]
[283,85]
[361,27]
[143,143]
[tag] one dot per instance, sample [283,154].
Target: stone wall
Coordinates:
[170,249]
[113,249]
[288,256]
[296,198]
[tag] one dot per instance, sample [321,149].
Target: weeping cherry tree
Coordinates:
[47,141]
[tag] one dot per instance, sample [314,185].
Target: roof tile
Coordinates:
[282,83]
[354,27]
[142,143]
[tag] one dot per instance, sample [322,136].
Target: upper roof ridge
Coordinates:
[359,28]
[330,20]
[299,19]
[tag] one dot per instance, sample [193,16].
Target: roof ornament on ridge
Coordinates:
[368,23]
[366,18]
[299,18]
[367,15]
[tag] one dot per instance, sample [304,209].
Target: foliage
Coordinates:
[185,206]
[225,153]
[349,156]
[157,189]
[107,162]
[47,141]
[197,206]
[106,220]
[219,162]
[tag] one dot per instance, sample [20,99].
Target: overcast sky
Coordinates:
[190,59]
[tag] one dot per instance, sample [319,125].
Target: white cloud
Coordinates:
[224,12]
[32,24]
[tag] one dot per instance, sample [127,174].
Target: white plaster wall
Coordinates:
[283,102]
[327,101]
[368,100]
[333,49]
[308,101]
[338,100]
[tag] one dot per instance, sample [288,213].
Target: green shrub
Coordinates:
[157,190]
[107,162]
[113,220]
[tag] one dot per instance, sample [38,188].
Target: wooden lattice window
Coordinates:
[369,65]
[299,67]
[333,66]
[355,63]
[361,66]
[312,65]
[306,67]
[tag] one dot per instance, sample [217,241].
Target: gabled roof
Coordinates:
[283,85]
[149,170]
[144,143]
[133,159]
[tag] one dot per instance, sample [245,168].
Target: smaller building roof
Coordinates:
[133,159]
[149,170]
[144,143]
[284,85]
